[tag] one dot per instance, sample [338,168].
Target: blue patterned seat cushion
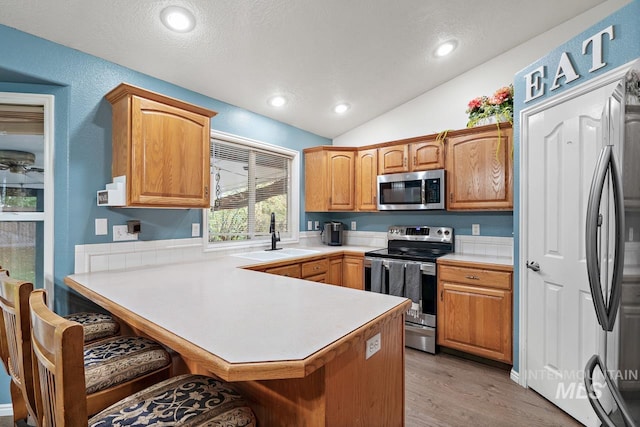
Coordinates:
[186,400]
[95,325]
[116,360]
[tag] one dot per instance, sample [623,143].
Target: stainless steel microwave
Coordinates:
[412,190]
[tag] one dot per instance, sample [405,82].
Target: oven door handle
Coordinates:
[428,268]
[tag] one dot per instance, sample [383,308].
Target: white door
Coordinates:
[561,150]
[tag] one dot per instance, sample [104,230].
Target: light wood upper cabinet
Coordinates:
[479,167]
[427,155]
[393,159]
[329,179]
[414,154]
[475,309]
[367,180]
[161,145]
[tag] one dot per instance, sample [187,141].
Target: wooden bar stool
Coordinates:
[114,367]
[192,400]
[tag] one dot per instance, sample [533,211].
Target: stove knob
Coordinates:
[439,231]
[446,232]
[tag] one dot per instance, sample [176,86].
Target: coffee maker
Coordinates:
[332,233]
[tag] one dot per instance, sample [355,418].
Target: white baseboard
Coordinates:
[6,410]
[515,376]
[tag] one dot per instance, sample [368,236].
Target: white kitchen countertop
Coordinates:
[240,315]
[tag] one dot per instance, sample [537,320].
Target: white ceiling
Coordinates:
[373,54]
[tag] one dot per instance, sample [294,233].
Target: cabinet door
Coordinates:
[341,180]
[393,159]
[353,272]
[427,155]
[479,171]
[367,180]
[315,179]
[475,320]
[334,275]
[169,156]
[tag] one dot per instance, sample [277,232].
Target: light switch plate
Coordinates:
[102,227]
[309,225]
[195,229]
[353,225]
[475,229]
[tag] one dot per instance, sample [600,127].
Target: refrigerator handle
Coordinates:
[618,256]
[606,313]
[593,394]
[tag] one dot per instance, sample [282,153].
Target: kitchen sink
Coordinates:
[276,255]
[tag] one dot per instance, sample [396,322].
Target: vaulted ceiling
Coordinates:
[372,54]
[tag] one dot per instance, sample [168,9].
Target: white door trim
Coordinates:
[525,114]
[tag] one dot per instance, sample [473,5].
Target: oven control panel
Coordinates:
[420,233]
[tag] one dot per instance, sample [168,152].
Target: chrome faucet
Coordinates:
[272,230]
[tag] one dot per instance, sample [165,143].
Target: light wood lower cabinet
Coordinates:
[292,270]
[475,309]
[338,269]
[353,271]
[335,270]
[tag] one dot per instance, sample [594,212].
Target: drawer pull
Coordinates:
[472,277]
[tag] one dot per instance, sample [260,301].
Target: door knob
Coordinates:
[533,266]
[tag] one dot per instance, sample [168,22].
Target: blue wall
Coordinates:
[83,140]
[623,49]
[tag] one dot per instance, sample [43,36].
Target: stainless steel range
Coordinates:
[407,267]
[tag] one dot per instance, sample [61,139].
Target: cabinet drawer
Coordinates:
[476,276]
[292,270]
[313,268]
[321,278]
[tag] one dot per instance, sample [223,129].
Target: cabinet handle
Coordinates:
[404,162]
[206,190]
[441,295]
[472,277]
[415,160]
[451,197]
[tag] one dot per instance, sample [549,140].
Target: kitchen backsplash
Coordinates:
[116,256]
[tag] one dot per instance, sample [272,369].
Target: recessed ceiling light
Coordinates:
[277,101]
[341,108]
[446,48]
[178,19]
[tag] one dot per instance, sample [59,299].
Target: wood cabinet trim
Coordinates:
[125,89]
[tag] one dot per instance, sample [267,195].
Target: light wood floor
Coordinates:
[447,390]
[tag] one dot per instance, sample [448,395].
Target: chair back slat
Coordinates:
[58,349]
[14,302]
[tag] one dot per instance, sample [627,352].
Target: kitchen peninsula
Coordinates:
[296,349]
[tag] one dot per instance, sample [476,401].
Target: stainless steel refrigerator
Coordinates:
[612,378]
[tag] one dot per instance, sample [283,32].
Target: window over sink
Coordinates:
[249,180]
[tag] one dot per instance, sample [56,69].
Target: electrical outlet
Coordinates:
[120,234]
[195,229]
[102,227]
[353,225]
[317,225]
[373,346]
[475,229]
[309,225]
